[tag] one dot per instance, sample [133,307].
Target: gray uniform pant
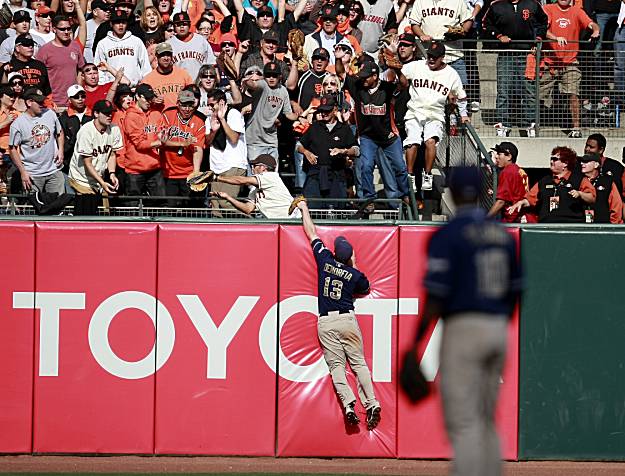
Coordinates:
[472,357]
[341,341]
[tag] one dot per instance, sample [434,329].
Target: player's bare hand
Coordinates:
[339,53]
[575,193]
[336,151]
[246,110]
[302,205]
[561,40]
[505,39]
[103,66]
[312,158]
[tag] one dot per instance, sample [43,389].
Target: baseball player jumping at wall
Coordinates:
[337,327]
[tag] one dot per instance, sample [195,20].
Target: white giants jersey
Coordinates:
[192,54]
[433,16]
[429,90]
[128,52]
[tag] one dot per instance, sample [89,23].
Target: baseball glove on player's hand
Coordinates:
[411,379]
[296,200]
[198,181]
[392,59]
[454,32]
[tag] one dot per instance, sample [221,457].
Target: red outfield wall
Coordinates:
[201,339]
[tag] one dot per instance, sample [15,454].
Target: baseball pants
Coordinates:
[472,357]
[341,341]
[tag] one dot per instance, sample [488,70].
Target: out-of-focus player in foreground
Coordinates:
[473,282]
[337,328]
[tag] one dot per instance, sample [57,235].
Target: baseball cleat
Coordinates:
[373,417]
[350,415]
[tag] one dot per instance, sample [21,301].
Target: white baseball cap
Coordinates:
[74,89]
[13,75]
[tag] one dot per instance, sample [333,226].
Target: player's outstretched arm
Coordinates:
[309,227]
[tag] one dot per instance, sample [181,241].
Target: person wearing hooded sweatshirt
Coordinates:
[120,49]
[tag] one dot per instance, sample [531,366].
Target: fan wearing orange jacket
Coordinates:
[183,133]
[141,137]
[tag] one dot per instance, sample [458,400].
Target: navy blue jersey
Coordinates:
[337,282]
[473,266]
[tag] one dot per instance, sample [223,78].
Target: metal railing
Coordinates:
[462,146]
[14,205]
[537,89]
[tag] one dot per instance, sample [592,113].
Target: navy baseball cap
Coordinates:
[465,182]
[342,249]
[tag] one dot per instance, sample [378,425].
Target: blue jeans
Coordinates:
[602,20]
[391,165]
[300,175]
[619,61]
[461,68]
[511,82]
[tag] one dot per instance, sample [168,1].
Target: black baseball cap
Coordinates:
[123,90]
[119,16]
[24,40]
[407,39]
[329,13]
[436,50]
[264,11]
[34,95]
[145,90]
[103,106]
[507,148]
[266,159]
[326,103]
[320,53]
[271,68]
[181,17]
[368,69]
[271,35]
[590,158]
[100,4]
[20,16]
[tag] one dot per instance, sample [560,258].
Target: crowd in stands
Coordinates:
[113,98]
